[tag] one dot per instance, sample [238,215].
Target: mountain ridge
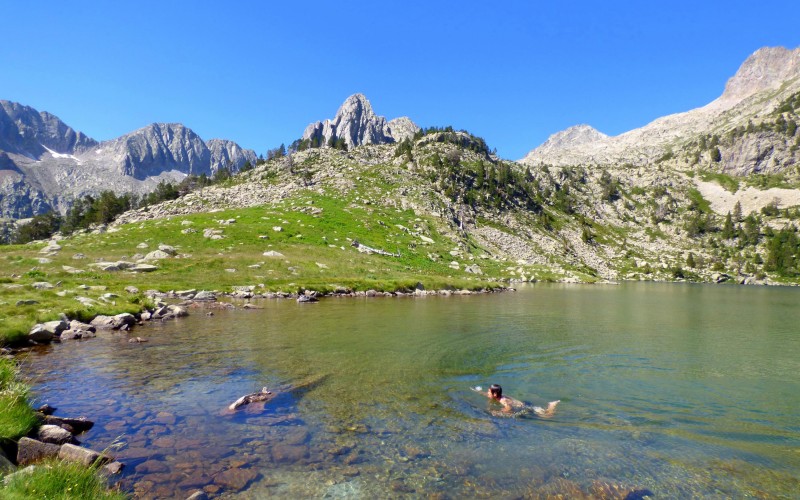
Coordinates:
[768,70]
[46,164]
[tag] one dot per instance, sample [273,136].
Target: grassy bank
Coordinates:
[17,418]
[311,234]
[52,479]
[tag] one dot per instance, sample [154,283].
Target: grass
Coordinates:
[696,198]
[56,480]
[728,182]
[315,240]
[17,418]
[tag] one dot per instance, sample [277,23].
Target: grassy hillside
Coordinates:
[445,212]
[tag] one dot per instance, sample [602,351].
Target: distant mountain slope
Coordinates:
[45,164]
[356,124]
[765,81]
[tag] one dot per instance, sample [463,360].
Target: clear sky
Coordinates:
[258,72]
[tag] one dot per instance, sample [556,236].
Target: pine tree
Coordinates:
[737,212]
[727,227]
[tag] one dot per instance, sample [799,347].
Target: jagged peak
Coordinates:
[768,67]
[356,123]
[573,136]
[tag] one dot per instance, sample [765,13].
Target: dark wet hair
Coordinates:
[496,391]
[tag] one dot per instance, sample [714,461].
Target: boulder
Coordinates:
[30,450]
[6,466]
[42,285]
[84,456]
[167,249]
[46,409]
[132,289]
[71,335]
[205,295]
[157,255]
[53,434]
[50,248]
[178,311]
[473,269]
[214,234]
[120,321]
[143,268]
[114,468]
[78,425]
[81,327]
[44,332]
[26,302]
[273,254]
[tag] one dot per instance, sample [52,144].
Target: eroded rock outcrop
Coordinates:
[357,124]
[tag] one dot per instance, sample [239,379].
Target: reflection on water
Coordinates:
[672,390]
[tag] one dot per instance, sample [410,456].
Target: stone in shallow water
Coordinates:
[152,467]
[164,442]
[138,453]
[235,478]
[288,453]
[295,436]
[166,418]
[114,468]
[84,456]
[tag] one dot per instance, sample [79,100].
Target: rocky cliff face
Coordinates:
[227,153]
[357,124]
[765,80]
[768,68]
[44,164]
[25,131]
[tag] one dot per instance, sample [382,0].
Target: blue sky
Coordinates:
[258,72]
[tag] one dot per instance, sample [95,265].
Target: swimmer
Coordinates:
[495,393]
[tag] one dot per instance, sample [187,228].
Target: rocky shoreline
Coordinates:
[55,437]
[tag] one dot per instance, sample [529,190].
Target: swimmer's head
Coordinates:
[496,391]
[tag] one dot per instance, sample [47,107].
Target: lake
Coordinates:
[673,390]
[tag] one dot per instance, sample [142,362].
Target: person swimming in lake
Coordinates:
[495,393]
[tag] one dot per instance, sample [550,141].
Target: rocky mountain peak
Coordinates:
[44,164]
[574,136]
[225,153]
[27,132]
[356,124]
[768,67]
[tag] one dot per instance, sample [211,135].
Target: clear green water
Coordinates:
[675,390]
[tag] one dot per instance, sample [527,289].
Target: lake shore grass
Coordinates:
[274,248]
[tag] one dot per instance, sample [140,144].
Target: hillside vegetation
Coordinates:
[442,209]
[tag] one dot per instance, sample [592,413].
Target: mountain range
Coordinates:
[764,82]
[706,195]
[45,164]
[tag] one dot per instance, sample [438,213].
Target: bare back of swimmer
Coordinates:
[495,393]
